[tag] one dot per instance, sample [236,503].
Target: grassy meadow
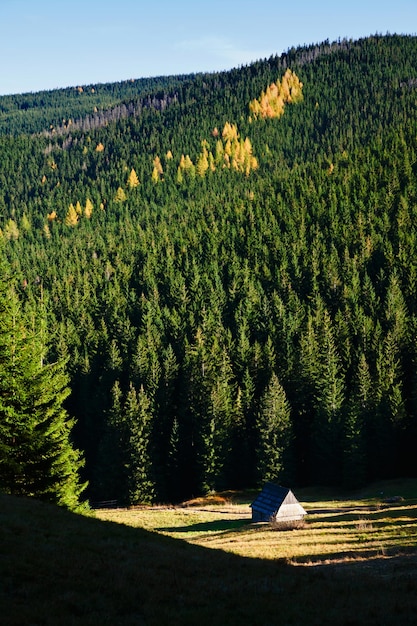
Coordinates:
[360,527]
[354,561]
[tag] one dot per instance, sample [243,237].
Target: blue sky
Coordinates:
[46,44]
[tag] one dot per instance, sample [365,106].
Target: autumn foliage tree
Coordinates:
[271,103]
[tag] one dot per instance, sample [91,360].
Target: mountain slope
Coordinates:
[236,294]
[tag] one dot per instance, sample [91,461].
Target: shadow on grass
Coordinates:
[60,568]
[221,525]
[395,514]
[358,557]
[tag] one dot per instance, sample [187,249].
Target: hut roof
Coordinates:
[276,502]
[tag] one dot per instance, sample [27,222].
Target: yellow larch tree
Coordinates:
[237,159]
[120,195]
[230,152]
[294,87]
[230,132]
[211,162]
[11,231]
[189,166]
[72,217]
[219,154]
[88,209]
[157,172]
[203,162]
[250,162]
[234,152]
[272,101]
[155,175]
[185,167]
[229,135]
[132,180]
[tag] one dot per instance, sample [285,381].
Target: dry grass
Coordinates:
[60,568]
[334,529]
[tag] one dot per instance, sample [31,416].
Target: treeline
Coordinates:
[230,324]
[55,110]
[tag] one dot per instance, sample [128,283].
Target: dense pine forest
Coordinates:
[216,275]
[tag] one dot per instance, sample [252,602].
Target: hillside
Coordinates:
[228,262]
[60,110]
[57,567]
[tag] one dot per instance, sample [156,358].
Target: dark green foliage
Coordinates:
[137,416]
[36,454]
[198,292]
[275,436]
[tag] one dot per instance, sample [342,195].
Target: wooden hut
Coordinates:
[276,504]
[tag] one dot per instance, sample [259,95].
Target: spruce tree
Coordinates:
[358,412]
[137,414]
[274,432]
[110,472]
[37,457]
[329,406]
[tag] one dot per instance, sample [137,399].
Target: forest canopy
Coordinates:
[228,267]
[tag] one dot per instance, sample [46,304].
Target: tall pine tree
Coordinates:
[275,433]
[36,454]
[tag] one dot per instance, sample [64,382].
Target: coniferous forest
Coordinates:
[210,280]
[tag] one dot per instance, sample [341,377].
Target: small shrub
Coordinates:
[363,525]
[210,499]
